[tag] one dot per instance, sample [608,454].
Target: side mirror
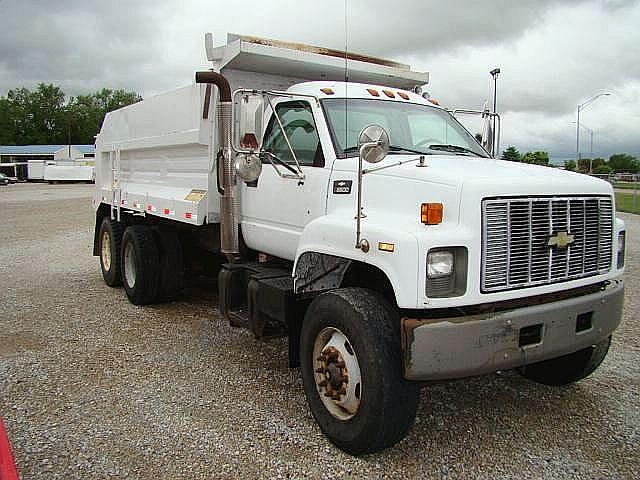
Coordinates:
[249,109]
[373,143]
[488,135]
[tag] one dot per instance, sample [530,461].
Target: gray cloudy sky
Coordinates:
[553,54]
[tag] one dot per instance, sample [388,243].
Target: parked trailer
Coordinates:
[57,173]
[35,170]
[363,222]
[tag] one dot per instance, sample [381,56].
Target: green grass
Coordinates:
[628,202]
[627,185]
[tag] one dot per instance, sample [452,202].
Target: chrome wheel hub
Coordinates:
[130,265]
[105,251]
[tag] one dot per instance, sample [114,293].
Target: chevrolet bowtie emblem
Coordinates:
[560,240]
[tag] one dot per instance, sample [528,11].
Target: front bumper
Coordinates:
[437,349]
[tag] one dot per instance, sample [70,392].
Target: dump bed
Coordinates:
[155,156]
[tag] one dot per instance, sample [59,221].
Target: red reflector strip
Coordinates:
[187,215]
[166,211]
[389,93]
[149,207]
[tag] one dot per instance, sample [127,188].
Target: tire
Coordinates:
[171,264]
[140,265]
[382,408]
[568,368]
[109,240]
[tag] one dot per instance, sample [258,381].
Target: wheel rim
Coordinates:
[337,373]
[129,265]
[105,251]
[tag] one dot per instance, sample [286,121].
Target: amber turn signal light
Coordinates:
[431,213]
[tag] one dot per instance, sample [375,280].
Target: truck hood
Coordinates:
[492,177]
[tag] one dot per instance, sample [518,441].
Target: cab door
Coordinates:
[275,211]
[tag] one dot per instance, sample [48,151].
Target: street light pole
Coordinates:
[582,106]
[494,73]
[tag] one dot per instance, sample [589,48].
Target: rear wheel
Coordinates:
[140,265]
[351,369]
[568,368]
[110,238]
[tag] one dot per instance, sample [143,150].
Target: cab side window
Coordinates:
[298,123]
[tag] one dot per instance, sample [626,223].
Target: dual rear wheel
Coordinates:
[146,260]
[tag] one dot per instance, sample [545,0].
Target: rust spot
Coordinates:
[323,51]
[407,326]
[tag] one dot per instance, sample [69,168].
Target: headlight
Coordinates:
[621,247]
[439,264]
[446,272]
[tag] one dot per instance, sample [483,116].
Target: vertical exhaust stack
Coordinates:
[228,222]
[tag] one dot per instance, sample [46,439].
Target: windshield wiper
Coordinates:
[454,149]
[392,149]
[398,149]
[350,150]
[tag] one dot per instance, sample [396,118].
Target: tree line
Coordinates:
[46,116]
[617,163]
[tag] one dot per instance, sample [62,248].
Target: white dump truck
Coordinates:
[364,222]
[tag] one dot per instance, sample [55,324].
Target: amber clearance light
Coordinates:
[431,213]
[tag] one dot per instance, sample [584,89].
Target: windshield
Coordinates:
[412,127]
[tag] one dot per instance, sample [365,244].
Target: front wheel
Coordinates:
[351,369]
[568,368]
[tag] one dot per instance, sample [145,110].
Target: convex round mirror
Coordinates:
[248,167]
[373,143]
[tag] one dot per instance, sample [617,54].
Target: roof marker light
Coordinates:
[389,93]
[403,95]
[327,91]
[373,92]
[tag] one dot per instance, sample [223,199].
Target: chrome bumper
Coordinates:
[437,349]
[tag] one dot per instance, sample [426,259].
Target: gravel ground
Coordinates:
[94,387]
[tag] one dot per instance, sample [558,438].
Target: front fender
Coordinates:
[335,234]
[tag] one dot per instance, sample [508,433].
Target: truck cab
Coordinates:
[365,223]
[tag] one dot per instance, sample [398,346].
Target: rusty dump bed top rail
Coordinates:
[295,63]
[323,51]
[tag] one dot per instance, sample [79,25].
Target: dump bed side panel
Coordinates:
[153,156]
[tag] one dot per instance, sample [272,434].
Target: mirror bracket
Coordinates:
[373,146]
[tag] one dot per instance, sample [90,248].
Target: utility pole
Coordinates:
[582,107]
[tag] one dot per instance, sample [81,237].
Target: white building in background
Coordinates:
[27,162]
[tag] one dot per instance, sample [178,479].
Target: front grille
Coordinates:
[516,234]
